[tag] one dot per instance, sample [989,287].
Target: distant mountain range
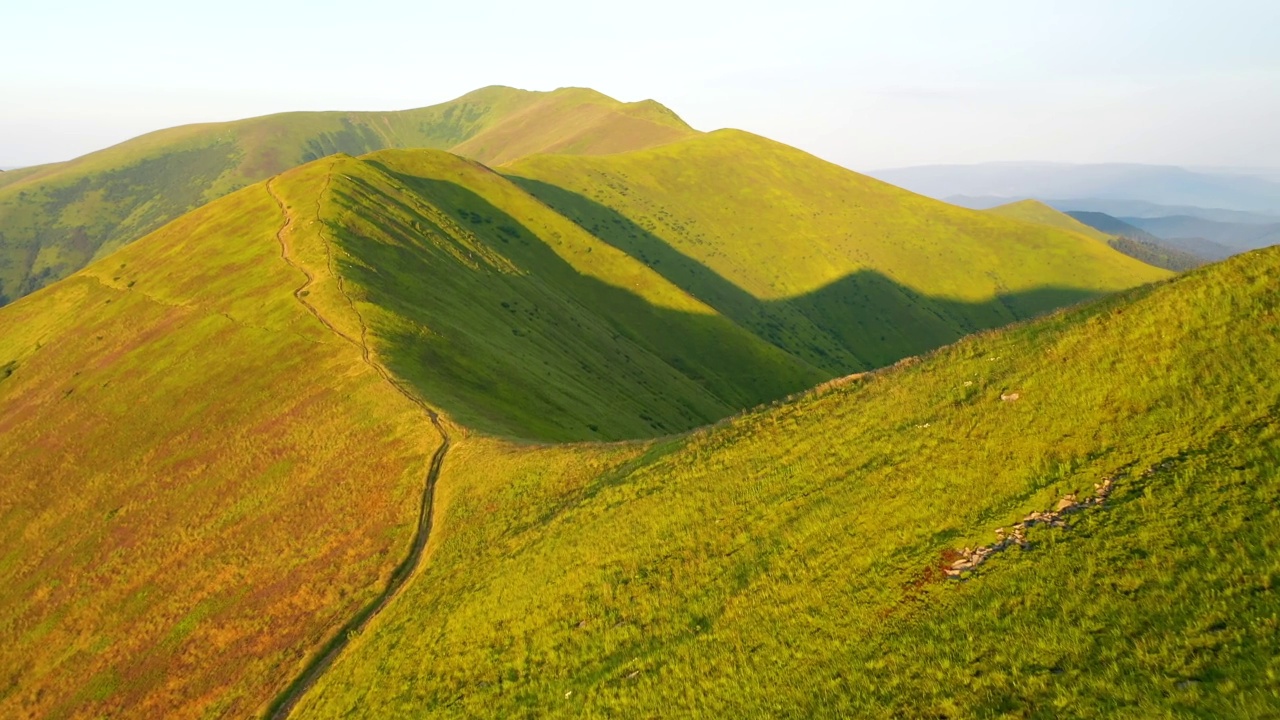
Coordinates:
[1157,184]
[1210,213]
[1265,173]
[1238,236]
[1120,208]
[1199,248]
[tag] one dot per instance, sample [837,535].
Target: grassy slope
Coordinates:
[56,218]
[519,322]
[200,480]
[12,176]
[1153,253]
[784,563]
[1037,213]
[516,321]
[1157,254]
[843,271]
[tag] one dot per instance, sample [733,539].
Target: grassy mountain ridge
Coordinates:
[804,541]
[839,269]
[56,218]
[201,480]
[522,319]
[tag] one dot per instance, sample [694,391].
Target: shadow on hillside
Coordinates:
[860,322]
[545,352]
[536,349]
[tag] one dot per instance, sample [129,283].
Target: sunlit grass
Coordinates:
[785,562]
[841,270]
[199,480]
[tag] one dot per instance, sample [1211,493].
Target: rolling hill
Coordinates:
[841,270]
[516,321]
[1130,241]
[56,218]
[799,560]
[221,442]
[1038,213]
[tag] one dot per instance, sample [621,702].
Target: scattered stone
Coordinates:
[969,558]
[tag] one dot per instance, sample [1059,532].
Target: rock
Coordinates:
[1065,502]
[1010,397]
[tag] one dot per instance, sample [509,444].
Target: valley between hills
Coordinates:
[542,404]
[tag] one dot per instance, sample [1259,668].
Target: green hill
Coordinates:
[841,270]
[1038,213]
[523,321]
[1140,245]
[516,321]
[56,218]
[792,561]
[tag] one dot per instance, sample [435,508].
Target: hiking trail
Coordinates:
[284,704]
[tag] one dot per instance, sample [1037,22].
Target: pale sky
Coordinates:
[864,84]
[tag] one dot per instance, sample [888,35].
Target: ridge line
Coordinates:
[283,705]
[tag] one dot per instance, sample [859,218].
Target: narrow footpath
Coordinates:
[283,705]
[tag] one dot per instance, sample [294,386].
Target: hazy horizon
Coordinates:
[868,87]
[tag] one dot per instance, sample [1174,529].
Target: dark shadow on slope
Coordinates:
[789,331]
[540,351]
[861,322]
[536,349]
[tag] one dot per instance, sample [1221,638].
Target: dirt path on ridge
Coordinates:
[283,705]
